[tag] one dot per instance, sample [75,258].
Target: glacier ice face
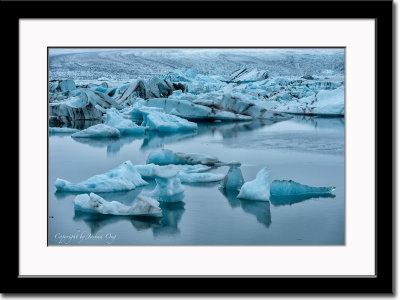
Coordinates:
[234,179]
[244,75]
[122,178]
[167,157]
[257,189]
[142,206]
[169,187]
[199,177]
[292,188]
[97,131]
[116,120]
[163,122]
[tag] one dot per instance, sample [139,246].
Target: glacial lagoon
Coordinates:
[309,150]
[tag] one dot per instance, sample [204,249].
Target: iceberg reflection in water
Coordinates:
[260,209]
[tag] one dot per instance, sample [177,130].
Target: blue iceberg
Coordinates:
[257,189]
[125,177]
[292,188]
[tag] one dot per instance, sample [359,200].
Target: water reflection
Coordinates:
[76,124]
[155,139]
[113,145]
[289,200]
[167,225]
[260,209]
[96,222]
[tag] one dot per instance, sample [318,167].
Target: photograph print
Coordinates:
[196,146]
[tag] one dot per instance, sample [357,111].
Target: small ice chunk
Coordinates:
[97,131]
[122,178]
[194,168]
[292,188]
[167,157]
[142,206]
[116,120]
[199,177]
[169,187]
[66,130]
[234,179]
[257,189]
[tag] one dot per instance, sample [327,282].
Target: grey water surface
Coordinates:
[308,150]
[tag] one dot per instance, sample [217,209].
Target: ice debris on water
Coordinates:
[122,178]
[62,130]
[142,206]
[160,121]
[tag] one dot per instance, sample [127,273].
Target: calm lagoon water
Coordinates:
[305,149]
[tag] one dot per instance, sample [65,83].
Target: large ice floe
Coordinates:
[122,178]
[115,119]
[257,189]
[169,187]
[97,131]
[142,206]
[160,121]
[167,157]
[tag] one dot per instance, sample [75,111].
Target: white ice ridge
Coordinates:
[122,178]
[55,130]
[148,171]
[97,131]
[292,188]
[142,206]
[234,179]
[115,119]
[167,157]
[257,189]
[161,121]
[168,184]
[199,177]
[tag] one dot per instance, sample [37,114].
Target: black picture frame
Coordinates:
[381,11]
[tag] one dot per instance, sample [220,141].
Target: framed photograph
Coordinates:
[165,149]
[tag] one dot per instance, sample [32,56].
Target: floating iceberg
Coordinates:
[97,131]
[61,86]
[199,177]
[142,206]
[188,110]
[116,120]
[87,105]
[258,189]
[61,130]
[161,121]
[122,178]
[167,157]
[292,188]
[169,187]
[234,179]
